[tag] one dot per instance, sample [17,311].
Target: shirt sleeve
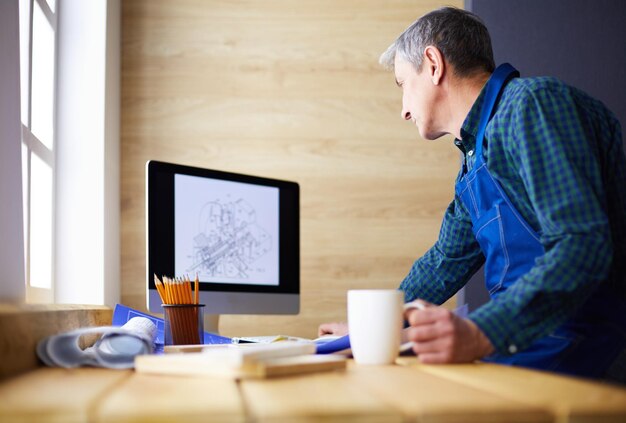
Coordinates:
[560,172]
[448,264]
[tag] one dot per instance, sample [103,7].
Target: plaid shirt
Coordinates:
[558,155]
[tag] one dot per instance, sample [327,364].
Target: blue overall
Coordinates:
[588,343]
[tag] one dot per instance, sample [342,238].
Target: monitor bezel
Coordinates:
[160,227]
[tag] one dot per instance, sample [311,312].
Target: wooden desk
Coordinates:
[399,393]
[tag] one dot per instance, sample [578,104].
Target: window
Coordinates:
[38,29]
[69,77]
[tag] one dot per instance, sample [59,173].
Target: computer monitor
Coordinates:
[239,233]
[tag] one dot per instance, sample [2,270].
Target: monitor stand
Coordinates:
[211,323]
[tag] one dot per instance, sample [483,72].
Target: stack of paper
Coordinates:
[240,361]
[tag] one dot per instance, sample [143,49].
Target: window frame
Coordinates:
[30,145]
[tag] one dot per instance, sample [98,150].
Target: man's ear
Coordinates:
[434,64]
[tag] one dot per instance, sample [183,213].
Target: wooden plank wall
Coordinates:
[288,89]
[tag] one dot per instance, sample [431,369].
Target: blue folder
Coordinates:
[338,345]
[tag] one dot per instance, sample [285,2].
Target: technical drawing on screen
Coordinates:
[238,233]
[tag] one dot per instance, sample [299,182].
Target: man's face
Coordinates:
[418,97]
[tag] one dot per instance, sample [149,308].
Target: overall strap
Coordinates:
[496,83]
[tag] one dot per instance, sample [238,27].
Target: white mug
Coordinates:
[375,324]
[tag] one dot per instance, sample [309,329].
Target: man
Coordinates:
[540,200]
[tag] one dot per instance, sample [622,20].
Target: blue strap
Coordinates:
[498,80]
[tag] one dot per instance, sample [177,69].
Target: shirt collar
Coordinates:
[471,122]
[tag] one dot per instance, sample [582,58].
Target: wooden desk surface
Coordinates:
[398,393]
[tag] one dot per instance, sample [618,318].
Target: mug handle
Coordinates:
[408,306]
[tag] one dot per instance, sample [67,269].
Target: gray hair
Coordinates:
[461,37]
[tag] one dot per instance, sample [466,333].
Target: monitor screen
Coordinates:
[238,233]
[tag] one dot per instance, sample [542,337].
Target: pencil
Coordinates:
[166,289]
[160,289]
[183,290]
[188,297]
[175,291]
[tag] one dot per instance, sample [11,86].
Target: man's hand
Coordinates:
[339,329]
[440,336]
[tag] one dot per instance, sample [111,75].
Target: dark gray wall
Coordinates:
[582,42]
[12,287]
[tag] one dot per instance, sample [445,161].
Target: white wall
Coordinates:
[12,288]
[87,161]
